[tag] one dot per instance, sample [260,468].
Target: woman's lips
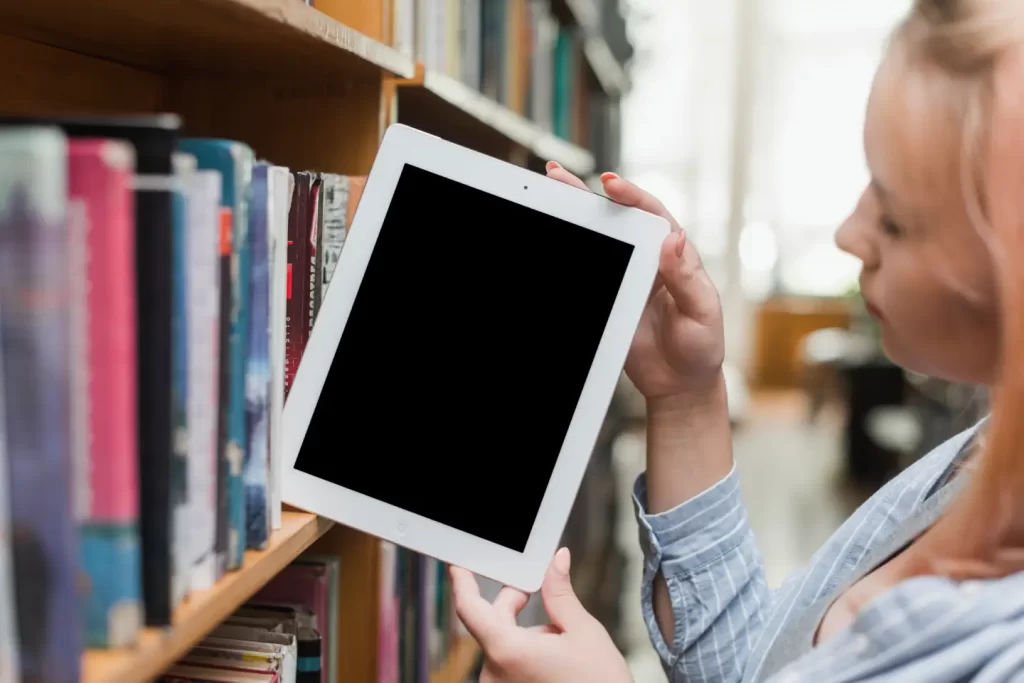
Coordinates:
[874,311]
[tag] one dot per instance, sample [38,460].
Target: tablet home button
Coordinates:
[401,528]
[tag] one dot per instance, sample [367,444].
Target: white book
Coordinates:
[280,185]
[203,190]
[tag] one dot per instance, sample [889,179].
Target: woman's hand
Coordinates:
[679,346]
[574,648]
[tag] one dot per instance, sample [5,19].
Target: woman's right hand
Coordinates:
[679,346]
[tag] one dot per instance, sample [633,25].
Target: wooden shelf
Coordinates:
[460,663]
[158,649]
[207,36]
[434,100]
[602,61]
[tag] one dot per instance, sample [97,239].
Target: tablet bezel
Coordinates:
[403,145]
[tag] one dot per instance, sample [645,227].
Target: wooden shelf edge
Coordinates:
[224,36]
[158,649]
[460,663]
[508,123]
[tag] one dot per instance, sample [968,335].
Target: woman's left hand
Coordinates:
[574,647]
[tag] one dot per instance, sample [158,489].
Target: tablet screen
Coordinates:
[464,356]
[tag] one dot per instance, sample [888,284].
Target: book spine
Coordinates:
[184,165]
[316,236]
[255,467]
[237,444]
[34,341]
[281,193]
[100,187]
[226,221]
[204,337]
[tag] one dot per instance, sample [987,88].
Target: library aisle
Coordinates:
[791,477]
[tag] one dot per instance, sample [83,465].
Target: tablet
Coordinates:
[465,355]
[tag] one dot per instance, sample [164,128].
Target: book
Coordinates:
[256,464]
[181,552]
[35,316]
[9,669]
[341,197]
[204,408]
[234,161]
[100,195]
[280,187]
[297,290]
[316,236]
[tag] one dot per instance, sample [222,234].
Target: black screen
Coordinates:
[470,338]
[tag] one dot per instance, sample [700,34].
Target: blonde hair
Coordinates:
[978,45]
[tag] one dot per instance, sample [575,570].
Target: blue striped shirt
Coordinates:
[729,626]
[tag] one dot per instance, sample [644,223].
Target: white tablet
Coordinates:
[464,357]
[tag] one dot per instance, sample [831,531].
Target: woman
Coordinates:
[924,581]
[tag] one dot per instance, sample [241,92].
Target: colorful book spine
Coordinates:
[204,339]
[235,161]
[297,307]
[255,468]
[100,175]
[34,341]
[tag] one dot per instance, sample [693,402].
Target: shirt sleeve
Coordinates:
[706,552]
[926,629]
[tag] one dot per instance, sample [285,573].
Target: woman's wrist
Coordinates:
[689,444]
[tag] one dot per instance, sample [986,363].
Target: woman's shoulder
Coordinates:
[927,628]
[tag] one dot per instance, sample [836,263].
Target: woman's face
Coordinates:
[927,275]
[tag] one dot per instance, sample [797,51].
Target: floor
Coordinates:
[791,477]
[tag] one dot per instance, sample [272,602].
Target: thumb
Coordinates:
[560,601]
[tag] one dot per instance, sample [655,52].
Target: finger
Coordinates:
[626,193]
[560,601]
[510,602]
[558,173]
[681,272]
[478,615]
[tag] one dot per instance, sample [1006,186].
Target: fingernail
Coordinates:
[680,243]
[561,562]
[608,175]
[552,165]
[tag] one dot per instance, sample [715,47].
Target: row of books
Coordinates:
[418,627]
[513,51]
[156,293]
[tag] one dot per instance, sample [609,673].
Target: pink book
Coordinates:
[101,219]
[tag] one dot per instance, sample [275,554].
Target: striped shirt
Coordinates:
[729,626]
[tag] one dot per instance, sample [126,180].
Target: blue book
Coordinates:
[235,161]
[255,468]
[35,343]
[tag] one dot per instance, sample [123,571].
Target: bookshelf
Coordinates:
[308,88]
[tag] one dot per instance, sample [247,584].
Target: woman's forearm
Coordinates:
[689,450]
